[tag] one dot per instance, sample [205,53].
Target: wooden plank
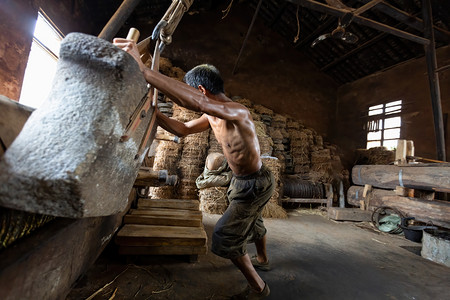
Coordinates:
[164,250]
[154,235]
[304,200]
[167,212]
[163,220]
[169,203]
[349,214]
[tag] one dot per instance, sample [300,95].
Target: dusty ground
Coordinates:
[312,258]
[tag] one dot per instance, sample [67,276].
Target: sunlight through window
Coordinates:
[41,66]
[383,126]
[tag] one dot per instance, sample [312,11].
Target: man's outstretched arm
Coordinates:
[183,94]
[182,129]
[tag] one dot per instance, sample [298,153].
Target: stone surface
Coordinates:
[68,159]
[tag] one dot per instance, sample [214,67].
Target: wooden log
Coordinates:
[432,178]
[304,200]
[348,214]
[148,177]
[428,211]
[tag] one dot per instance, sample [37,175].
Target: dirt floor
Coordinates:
[312,258]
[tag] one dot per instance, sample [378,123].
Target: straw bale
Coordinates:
[275,134]
[278,147]
[265,145]
[255,115]
[273,210]
[321,172]
[301,160]
[375,156]
[299,143]
[292,124]
[279,119]
[260,109]
[213,200]
[162,192]
[183,114]
[246,102]
[284,133]
[320,156]
[302,168]
[187,192]
[318,140]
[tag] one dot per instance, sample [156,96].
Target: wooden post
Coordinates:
[433,80]
[118,19]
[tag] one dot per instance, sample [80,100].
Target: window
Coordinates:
[42,61]
[383,126]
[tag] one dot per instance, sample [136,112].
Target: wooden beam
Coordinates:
[360,20]
[433,80]
[118,19]
[409,20]
[366,7]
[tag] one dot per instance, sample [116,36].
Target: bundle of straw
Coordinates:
[273,209]
[213,200]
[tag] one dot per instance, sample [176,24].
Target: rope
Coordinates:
[298,26]
[173,16]
[227,10]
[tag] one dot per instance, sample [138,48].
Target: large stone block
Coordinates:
[68,160]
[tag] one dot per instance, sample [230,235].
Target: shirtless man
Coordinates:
[252,184]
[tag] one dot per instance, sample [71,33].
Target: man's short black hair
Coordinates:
[206,75]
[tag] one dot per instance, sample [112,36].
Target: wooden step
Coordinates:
[166,212]
[166,250]
[174,220]
[155,235]
[169,203]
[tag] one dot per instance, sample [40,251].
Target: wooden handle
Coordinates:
[133,34]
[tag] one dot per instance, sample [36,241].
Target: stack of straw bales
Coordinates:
[167,154]
[193,155]
[265,113]
[214,146]
[273,208]
[301,143]
[279,137]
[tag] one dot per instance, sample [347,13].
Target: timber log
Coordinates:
[429,211]
[430,178]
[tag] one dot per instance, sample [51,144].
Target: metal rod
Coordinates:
[246,36]
[314,5]
[433,80]
[118,19]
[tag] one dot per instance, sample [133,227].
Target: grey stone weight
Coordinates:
[68,160]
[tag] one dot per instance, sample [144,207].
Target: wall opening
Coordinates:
[41,66]
[384,125]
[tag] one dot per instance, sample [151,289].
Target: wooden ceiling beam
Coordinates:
[314,5]
[408,19]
